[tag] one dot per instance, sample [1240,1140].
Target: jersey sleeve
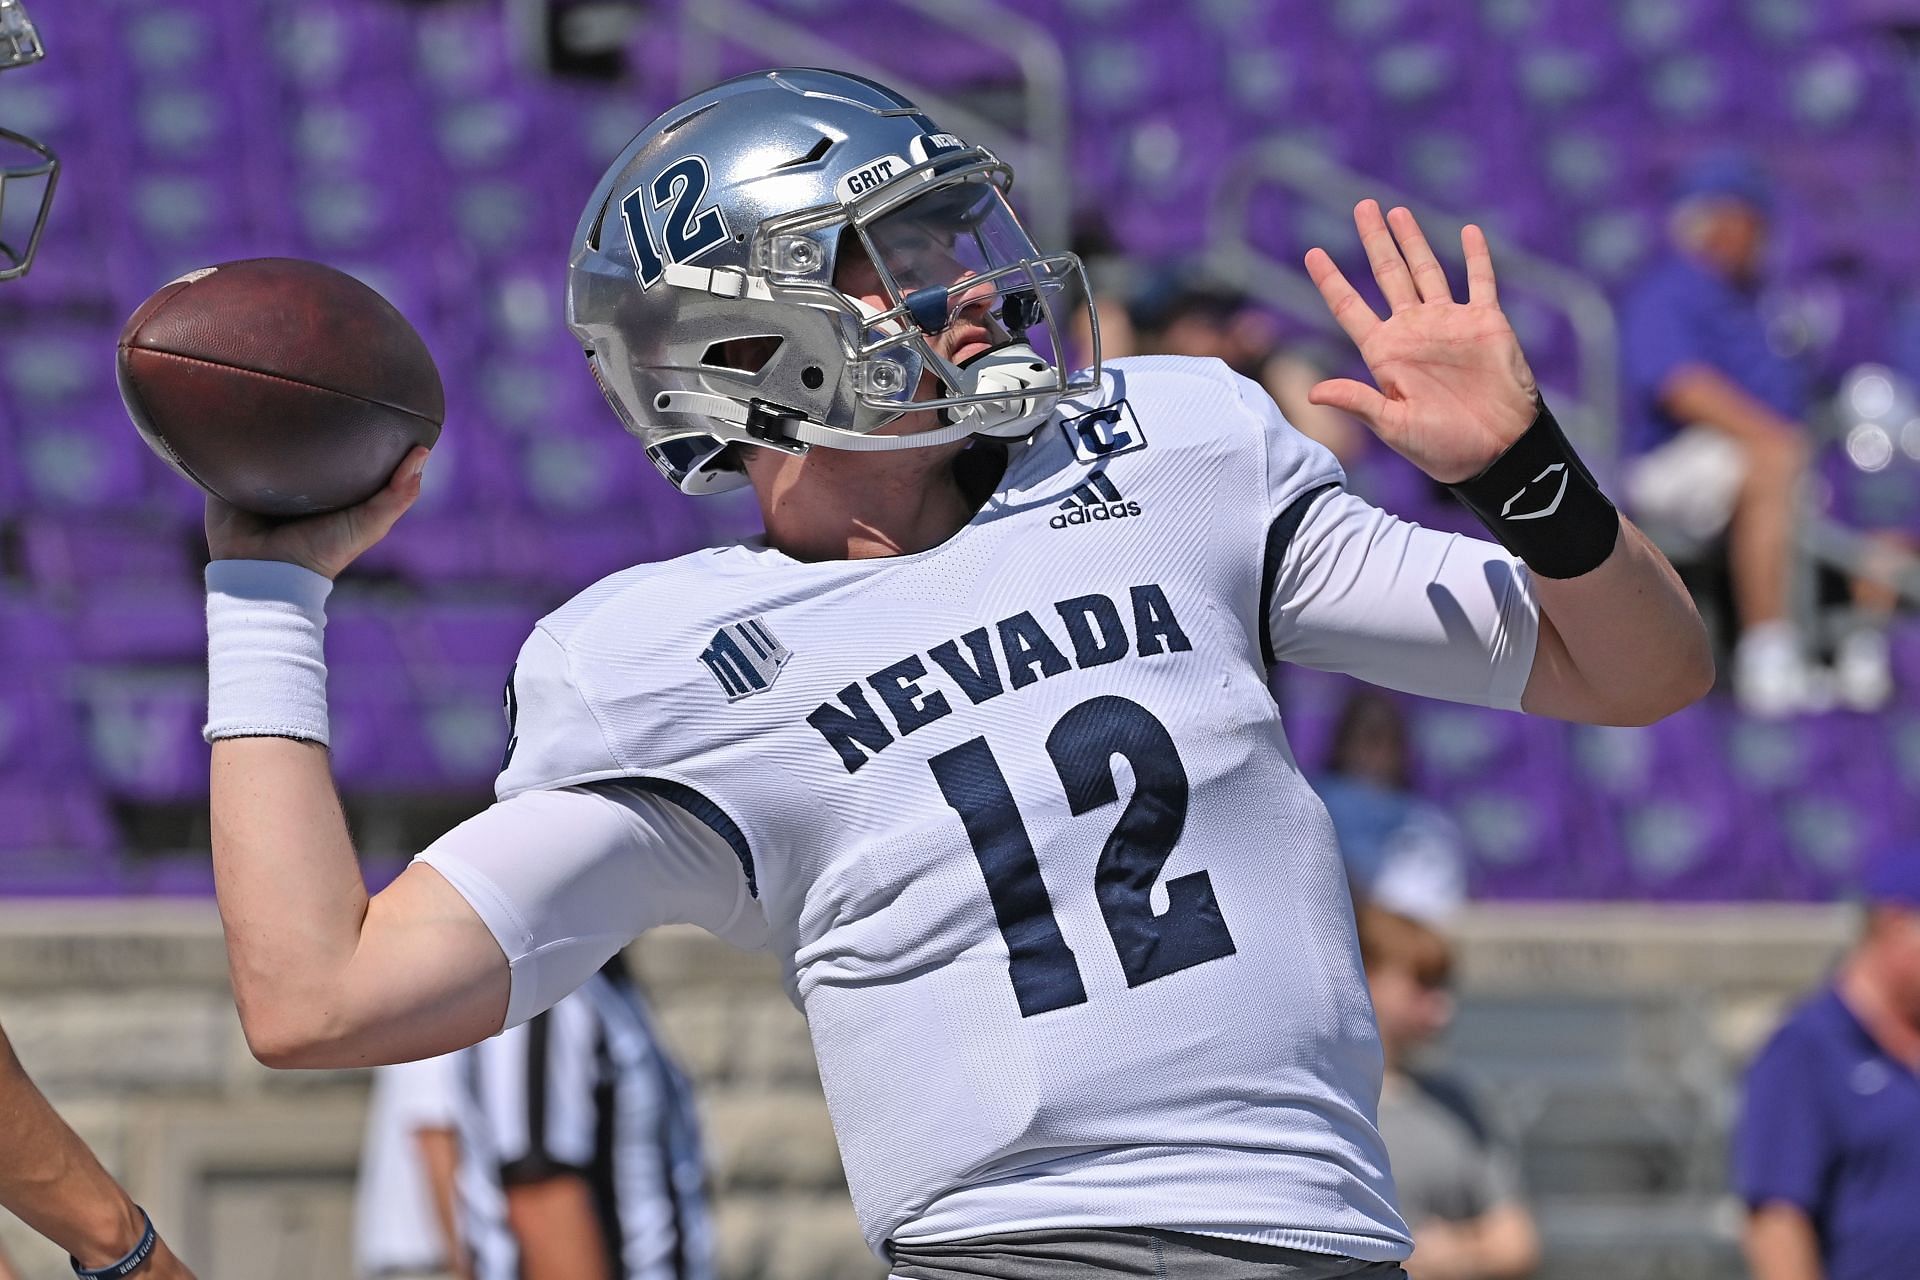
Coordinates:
[1354,590]
[1295,467]
[565,878]
[554,739]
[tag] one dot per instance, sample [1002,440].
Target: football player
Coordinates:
[977,739]
[50,1179]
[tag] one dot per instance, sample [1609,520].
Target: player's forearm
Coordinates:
[51,1181]
[1781,1245]
[1621,644]
[290,893]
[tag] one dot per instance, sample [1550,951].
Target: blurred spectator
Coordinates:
[1401,852]
[1111,274]
[1827,1156]
[579,1148]
[51,1182]
[403,1215]
[1714,430]
[1177,317]
[1458,1184]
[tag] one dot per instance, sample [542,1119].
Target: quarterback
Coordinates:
[977,739]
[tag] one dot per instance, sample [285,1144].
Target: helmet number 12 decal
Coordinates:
[688,229]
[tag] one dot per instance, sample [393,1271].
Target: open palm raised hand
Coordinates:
[1454,389]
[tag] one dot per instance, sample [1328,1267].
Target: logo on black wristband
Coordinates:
[1506,512]
[1567,535]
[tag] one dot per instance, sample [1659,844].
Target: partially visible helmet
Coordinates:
[27,168]
[703,280]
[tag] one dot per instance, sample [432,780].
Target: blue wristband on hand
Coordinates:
[135,1258]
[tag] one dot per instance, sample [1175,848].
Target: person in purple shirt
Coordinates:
[1713,428]
[1827,1153]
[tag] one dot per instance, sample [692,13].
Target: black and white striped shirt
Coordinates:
[585,1090]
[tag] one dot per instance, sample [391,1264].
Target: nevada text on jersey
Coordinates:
[1015,810]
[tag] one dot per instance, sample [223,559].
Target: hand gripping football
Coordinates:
[283,387]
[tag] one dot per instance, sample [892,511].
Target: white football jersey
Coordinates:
[1017,814]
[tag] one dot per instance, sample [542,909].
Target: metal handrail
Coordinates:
[1827,541]
[1039,157]
[1593,421]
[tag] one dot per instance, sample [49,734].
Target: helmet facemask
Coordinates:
[27,168]
[970,306]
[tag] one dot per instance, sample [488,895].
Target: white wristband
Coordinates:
[266,672]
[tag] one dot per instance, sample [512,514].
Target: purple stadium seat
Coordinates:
[35,817]
[143,733]
[364,41]
[1690,846]
[1680,754]
[35,635]
[66,555]
[464,645]
[40,728]
[428,548]
[473,470]
[153,622]
[83,457]
[550,551]
[363,630]
[1454,744]
[360,216]
[1528,841]
[379,742]
[460,50]
[185,874]
[1825,835]
[533,390]
[568,472]
[364,132]
[56,840]
[465,739]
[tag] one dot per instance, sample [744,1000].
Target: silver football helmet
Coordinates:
[800,257]
[27,168]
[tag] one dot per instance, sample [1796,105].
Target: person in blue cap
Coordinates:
[1827,1154]
[1714,432]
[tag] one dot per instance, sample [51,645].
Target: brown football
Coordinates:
[284,387]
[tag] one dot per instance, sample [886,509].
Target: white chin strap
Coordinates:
[1012,371]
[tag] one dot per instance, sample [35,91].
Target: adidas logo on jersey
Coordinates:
[1097,499]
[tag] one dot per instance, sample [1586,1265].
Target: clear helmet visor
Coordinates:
[957,274]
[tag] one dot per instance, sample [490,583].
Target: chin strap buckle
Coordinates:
[771,424]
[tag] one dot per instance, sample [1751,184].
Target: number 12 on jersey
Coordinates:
[1082,746]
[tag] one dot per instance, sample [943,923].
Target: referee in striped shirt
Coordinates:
[579,1147]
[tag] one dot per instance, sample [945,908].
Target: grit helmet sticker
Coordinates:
[868,177]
